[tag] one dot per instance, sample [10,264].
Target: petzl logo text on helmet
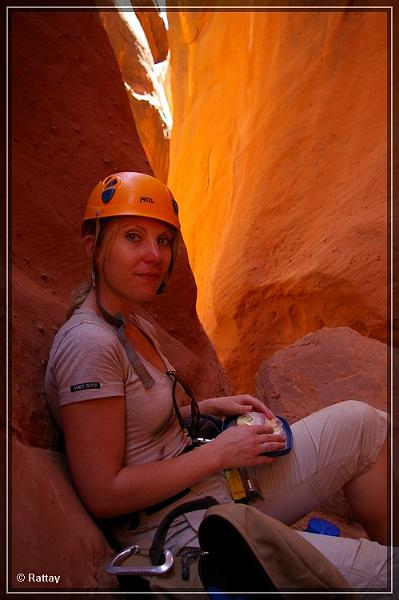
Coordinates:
[144,199]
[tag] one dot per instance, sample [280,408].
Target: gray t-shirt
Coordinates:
[87,361]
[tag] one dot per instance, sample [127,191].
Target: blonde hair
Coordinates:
[101,251]
[78,296]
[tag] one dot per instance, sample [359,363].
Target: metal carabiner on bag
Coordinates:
[200,441]
[115,567]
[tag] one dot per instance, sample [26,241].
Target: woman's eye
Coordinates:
[164,241]
[132,236]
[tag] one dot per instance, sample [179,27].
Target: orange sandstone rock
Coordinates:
[278,152]
[52,532]
[323,368]
[155,31]
[146,96]
[71,126]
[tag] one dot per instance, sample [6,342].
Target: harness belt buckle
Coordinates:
[119,565]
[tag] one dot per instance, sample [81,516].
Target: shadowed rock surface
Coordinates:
[322,368]
[71,126]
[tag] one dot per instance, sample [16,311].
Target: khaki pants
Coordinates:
[330,448]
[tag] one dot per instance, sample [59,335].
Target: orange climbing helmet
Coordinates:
[132,194]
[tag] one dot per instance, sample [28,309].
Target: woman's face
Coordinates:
[133,265]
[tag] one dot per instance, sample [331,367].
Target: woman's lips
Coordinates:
[149,276]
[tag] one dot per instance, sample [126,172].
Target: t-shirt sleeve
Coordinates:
[88,364]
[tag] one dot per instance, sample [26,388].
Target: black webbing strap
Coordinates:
[119,322]
[177,411]
[157,546]
[154,508]
[146,379]
[131,520]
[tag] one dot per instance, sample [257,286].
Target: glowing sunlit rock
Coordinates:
[146,94]
[155,32]
[278,153]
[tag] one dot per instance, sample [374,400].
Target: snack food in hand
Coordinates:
[279,424]
[255,418]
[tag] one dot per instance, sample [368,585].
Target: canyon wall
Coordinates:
[71,126]
[139,41]
[278,152]
[277,160]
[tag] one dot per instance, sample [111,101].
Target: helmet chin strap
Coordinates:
[93,253]
[97,231]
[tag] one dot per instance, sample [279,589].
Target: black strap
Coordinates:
[157,546]
[175,406]
[145,377]
[154,508]
[131,520]
[119,322]
[114,321]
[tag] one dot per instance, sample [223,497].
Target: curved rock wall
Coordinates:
[278,152]
[136,50]
[71,126]
[155,33]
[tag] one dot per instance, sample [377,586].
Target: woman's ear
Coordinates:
[88,244]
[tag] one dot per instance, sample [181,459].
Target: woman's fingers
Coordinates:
[235,405]
[266,430]
[269,442]
[251,403]
[243,445]
[272,438]
[272,446]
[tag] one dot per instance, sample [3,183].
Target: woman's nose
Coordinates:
[153,251]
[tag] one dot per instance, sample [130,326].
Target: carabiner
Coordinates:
[200,441]
[114,566]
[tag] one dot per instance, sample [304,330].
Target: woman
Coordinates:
[108,387]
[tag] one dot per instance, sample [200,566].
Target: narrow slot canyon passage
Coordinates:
[270,128]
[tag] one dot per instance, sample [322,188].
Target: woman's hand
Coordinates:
[243,445]
[234,405]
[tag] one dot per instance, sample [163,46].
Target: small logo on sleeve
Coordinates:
[91,385]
